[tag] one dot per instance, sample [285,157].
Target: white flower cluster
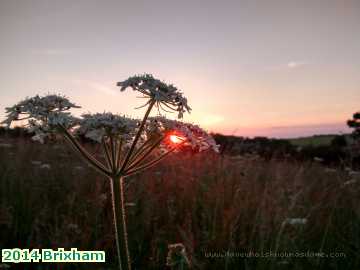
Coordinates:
[42,114]
[295,221]
[165,95]
[100,125]
[47,129]
[193,135]
[177,256]
[38,107]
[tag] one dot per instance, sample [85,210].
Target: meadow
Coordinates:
[211,203]
[313,140]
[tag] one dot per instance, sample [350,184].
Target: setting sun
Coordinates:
[176,139]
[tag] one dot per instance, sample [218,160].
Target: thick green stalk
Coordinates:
[118,204]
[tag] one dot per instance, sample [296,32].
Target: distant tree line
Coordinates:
[236,145]
[335,153]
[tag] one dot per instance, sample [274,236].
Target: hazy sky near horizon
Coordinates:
[276,68]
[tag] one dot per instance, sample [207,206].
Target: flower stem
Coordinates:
[150,163]
[143,155]
[107,154]
[118,204]
[141,128]
[118,154]
[88,157]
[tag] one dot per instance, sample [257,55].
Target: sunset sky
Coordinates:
[272,68]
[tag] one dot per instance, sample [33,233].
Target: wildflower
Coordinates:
[165,95]
[42,115]
[102,125]
[296,221]
[177,256]
[38,107]
[45,166]
[192,135]
[317,159]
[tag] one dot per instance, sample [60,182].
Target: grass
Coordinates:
[317,140]
[207,202]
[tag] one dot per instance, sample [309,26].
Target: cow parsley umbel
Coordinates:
[129,145]
[105,125]
[42,114]
[165,96]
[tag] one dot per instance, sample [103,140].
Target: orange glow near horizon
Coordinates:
[175,139]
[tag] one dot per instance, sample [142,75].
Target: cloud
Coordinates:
[289,65]
[51,52]
[99,87]
[296,64]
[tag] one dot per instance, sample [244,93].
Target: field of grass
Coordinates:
[211,204]
[313,140]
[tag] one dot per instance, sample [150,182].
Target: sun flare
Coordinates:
[176,139]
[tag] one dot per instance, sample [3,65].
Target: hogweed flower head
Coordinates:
[177,257]
[296,221]
[190,134]
[104,125]
[166,96]
[38,107]
[43,114]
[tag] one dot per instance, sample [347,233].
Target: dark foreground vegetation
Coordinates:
[257,201]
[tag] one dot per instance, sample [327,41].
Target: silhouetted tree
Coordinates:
[355,124]
[355,147]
